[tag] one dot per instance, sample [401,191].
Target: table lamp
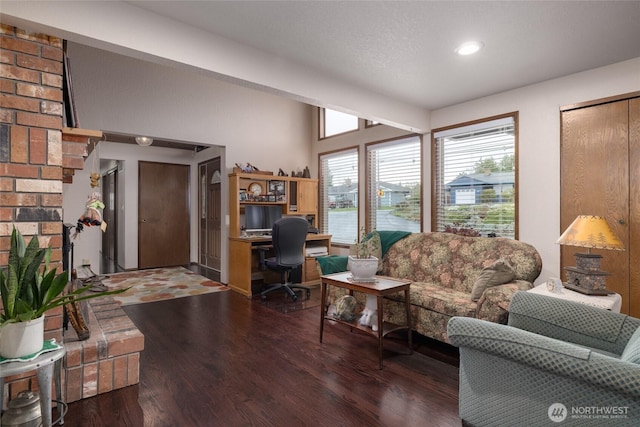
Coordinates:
[589,231]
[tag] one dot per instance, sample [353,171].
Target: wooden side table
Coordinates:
[381,287]
[611,302]
[47,366]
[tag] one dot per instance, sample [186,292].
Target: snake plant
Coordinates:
[28,291]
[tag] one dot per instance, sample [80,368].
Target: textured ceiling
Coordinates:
[405,50]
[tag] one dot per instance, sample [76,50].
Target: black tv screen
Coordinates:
[261,217]
[272,214]
[253,217]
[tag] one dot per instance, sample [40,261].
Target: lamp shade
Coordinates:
[590,231]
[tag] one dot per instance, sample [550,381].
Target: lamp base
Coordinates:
[593,292]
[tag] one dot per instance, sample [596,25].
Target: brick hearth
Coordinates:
[109,359]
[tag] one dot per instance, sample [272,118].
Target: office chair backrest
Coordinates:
[289,235]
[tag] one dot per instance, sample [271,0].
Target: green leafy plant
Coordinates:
[367,246]
[28,291]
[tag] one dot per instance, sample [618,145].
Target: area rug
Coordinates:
[281,302]
[159,284]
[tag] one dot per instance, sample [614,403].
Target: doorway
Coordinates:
[210,213]
[163,215]
[110,215]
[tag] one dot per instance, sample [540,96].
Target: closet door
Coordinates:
[634,206]
[594,180]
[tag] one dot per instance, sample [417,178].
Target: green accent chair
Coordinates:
[557,362]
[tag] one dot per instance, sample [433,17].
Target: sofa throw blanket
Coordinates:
[338,263]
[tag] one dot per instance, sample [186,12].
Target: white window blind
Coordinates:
[394,169]
[339,195]
[475,178]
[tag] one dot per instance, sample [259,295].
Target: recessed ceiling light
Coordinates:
[469,48]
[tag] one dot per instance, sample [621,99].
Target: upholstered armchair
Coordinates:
[557,362]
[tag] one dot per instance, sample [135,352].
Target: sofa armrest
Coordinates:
[571,321]
[494,302]
[544,353]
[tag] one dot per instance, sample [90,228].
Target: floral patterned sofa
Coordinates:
[443,269]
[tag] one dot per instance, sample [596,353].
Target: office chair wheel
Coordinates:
[294,298]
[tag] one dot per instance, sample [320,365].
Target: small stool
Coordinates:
[46,365]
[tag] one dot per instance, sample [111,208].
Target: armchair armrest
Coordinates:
[571,321]
[544,353]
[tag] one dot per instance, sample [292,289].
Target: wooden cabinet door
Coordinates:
[594,180]
[307,197]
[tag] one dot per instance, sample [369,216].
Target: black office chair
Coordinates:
[288,235]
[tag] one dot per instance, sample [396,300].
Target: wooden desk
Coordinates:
[243,261]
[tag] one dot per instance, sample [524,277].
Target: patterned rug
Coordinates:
[159,284]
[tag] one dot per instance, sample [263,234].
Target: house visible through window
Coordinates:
[475,178]
[394,185]
[339,195]
[336,122]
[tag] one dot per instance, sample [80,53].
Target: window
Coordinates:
[475,178]
[339,195]
[334,122]
[394,195]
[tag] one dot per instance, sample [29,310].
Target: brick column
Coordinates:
[31,105]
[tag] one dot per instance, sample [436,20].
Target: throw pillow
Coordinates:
[374,246]
[631,352]
[498,273]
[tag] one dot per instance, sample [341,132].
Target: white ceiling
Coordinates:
[405,50]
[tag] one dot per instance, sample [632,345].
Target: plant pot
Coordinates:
[22,338]
[363,268]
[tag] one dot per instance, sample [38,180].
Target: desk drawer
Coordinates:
[311,273]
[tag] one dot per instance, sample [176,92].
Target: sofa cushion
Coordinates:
[373,244]
[631,352]
[498,273]
[441,300]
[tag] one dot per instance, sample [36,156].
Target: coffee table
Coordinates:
[380,286]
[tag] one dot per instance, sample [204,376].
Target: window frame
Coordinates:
[434,167]
[323,208]
[322,124]
[371,183]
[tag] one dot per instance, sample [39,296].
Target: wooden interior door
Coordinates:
[210,197]
[163,215]
[594,175]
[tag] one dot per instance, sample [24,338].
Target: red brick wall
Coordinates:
[31,105]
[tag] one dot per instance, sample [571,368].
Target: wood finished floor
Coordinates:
[223,360]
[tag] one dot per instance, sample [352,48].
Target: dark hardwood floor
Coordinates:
[224,360]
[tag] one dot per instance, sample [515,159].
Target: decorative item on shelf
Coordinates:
[27,292]
[255,189]
[589,231]
[281,172]
[306,173]
[144,141]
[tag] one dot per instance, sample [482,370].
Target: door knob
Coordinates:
[621,221]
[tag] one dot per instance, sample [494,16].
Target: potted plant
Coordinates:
[363,261]
[27,292]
